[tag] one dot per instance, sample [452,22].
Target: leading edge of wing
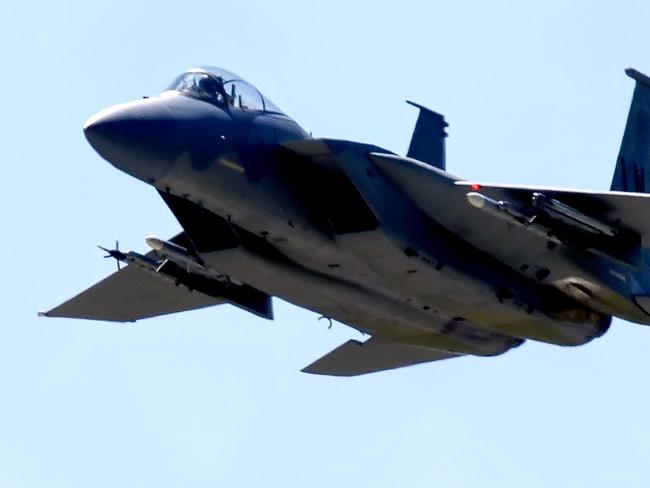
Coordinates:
[551,189]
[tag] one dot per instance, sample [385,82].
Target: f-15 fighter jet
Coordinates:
[431,266]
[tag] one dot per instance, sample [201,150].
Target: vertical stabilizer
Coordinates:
[428,140]
[633,163]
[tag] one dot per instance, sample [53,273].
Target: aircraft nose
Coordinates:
[140,138]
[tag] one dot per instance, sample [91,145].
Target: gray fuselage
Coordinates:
[407,277]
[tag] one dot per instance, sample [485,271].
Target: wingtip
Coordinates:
[40,313]
[318,372]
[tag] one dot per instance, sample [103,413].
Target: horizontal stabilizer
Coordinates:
[356,358]
[131,294]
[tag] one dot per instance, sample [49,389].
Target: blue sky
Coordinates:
[534,93]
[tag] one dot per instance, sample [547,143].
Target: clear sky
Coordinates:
[534,93]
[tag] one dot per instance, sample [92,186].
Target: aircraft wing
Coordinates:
[135,293]
[432,190]
[355,358]
[131,294]
[620,209]
[610,222]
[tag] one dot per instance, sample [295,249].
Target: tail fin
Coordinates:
[428,140]
[633,164]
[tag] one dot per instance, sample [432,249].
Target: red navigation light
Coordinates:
[476,187]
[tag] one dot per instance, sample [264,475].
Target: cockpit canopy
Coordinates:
[222,88]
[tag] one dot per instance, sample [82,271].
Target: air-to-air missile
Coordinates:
[175,253]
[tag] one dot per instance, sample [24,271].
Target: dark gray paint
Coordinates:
[386,244]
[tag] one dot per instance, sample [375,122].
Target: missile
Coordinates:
[499,208]
[133,257]
[129,257]
[505,211]
[571,216]
[556,212]
[175,253]
[478,200]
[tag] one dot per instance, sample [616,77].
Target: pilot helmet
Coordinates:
[208,85]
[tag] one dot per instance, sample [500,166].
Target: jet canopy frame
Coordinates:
[222,88]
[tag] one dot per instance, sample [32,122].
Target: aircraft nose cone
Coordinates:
[140,138]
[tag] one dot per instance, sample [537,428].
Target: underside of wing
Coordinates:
[356,358]
[613,221]
[159,287]
[429,187]
[131,294]
[618,209]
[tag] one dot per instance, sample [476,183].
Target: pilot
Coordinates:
[208,86]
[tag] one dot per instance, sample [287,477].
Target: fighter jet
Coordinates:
[429,265]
